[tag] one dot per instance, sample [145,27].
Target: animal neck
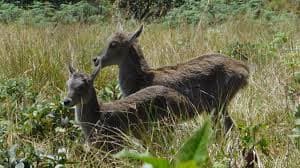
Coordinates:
[134,70]
[87,112]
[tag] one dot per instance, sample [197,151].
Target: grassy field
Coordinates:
[33,65]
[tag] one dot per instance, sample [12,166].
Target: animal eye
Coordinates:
[113,44]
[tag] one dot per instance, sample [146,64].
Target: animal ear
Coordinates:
[136,34]
[71,69]
[119,27]
[95,72]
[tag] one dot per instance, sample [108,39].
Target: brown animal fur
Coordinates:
[209,81]
[104,123]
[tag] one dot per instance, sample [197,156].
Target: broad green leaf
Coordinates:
[145,157]
[188,164]
[195,148]
[147,165]
[60,166]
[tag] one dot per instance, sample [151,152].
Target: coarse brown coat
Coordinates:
[209,81]
[103,124]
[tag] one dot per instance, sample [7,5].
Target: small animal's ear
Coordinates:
[95,72]
[71,69]
[119,27]
[136,34]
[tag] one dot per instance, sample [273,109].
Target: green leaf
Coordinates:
[189,164]
[195,148]
[12,153]
[297,122]
[59,166]
[20,165]
[60,129]
[294,136]
[296,131]
[297,77]
[297,114]
[145,157]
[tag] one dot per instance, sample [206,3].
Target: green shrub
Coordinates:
[23,111]
[17,90]
[217,11]
[9,12]
[172,11]
[35,116]
[111,92]
[80,12]
[27,156]
[145,10]
[26,3]
[38,13]
[44,12]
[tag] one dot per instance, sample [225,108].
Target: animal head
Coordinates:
[80,86]
[117,48]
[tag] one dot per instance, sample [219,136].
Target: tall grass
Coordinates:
[41,54]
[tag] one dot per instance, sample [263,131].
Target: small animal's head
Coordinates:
[80,87]
[117,48]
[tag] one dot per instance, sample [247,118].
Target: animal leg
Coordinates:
[227,120]
[221,114]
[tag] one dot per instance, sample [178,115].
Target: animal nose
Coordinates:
[67,101]
[96,61]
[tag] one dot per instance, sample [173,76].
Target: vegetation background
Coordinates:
[38,37]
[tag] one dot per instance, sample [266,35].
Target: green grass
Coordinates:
[40,54]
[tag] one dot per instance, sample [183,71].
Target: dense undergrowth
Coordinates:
[40,13]
[171,12]
[35,129]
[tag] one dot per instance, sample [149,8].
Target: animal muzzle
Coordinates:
[96,61]
[67,102]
